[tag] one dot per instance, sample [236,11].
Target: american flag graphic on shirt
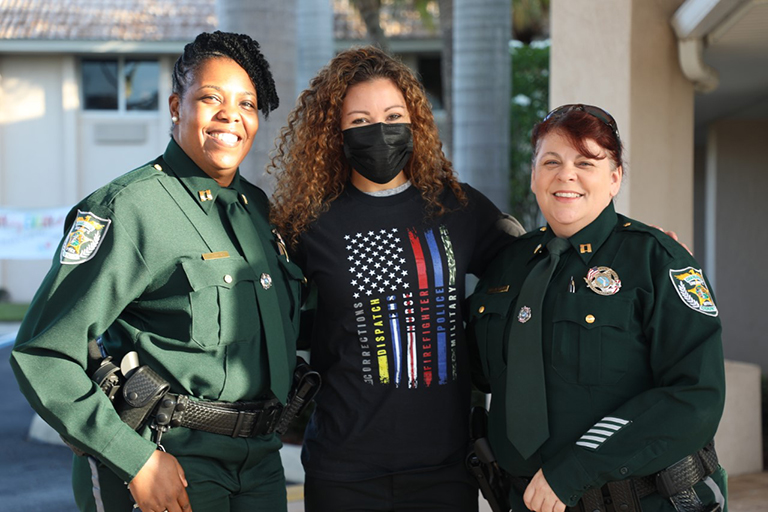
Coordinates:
[405,305]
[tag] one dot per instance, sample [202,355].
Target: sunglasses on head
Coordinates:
[595,112]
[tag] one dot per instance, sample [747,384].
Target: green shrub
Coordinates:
[12,312]
[528,105]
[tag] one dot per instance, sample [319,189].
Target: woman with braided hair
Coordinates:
[175,262]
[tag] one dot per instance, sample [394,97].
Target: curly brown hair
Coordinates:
[309,161]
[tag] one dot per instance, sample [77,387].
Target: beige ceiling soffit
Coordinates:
[693,21]
[697,18]
[704,77]
[737,14]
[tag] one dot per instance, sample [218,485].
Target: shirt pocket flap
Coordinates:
[490,302]
[291,269]
[223,272]
[593,311]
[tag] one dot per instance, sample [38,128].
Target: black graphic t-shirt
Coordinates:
[388,335]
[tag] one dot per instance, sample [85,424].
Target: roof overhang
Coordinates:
[396,45]
[698,18]
[723,50]
[44,46]
[693,21]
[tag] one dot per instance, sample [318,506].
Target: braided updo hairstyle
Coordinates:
[238,47]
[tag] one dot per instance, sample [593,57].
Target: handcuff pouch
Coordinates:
[140,394]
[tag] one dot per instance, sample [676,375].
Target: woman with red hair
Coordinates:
[601,342]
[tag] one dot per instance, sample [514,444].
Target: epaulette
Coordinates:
[106,194]
[667,242]
[258,196]
[533,233]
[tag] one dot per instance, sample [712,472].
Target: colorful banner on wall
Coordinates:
[31,234]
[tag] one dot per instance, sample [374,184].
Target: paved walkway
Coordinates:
[8,333]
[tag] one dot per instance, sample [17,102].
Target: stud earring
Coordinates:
[174,119]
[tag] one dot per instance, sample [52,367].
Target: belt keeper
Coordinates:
[238,423]
[670,482]
[266,422]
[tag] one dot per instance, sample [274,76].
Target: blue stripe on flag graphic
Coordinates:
[442,342]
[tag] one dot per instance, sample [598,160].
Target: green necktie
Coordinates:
[269,308]
[527,424]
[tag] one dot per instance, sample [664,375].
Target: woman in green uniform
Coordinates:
[600,339]
[176,262]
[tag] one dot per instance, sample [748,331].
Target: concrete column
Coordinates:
[481,83]
[273,25]
[314,24]
[623,57]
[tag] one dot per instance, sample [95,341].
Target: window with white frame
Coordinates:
[120,84]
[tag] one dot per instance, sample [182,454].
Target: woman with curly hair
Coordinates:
[375,215]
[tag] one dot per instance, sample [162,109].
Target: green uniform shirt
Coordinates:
[152,265]
[634,378]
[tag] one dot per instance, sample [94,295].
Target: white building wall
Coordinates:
[52,154]
[31,131]
[32,152]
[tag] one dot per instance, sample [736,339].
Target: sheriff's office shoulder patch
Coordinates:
[84,239]
[693,291]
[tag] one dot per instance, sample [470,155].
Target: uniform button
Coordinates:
[481,309]
[590,319]
[157,166]
[227,278]
[624,470]
[624,506]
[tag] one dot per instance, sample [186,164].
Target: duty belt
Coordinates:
[674,483]
[141,397]
[677,481]
[235,419]
[238,419]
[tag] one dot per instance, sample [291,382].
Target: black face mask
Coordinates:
[379,151]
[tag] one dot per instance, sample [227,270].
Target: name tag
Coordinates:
[215,255]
